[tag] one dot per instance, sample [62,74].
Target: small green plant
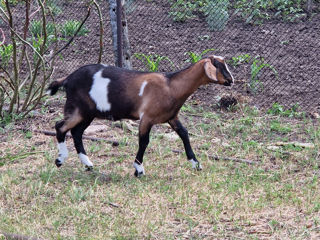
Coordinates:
[238,60]
[257,66]
[279,110]
[36,29]
[257,11]
[69,28]
[195,57]
[181,10]
[6,52]
[152,61]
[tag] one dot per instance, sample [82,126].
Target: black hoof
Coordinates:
[89,168]
[199,167]
[138,174]
[58,163]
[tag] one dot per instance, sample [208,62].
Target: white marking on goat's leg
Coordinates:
[195,164]
[143,85]
[99,92]
[85,160]
[63,153]
[139,169]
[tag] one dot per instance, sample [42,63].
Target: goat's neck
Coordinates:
[184,83]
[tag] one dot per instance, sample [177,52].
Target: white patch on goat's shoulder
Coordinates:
[85,160]
[139,167]
[63,152]
[105,65]
[143,85]
[141,115]
[195,164]
[99,92]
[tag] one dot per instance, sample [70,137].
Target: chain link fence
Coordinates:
[272,50]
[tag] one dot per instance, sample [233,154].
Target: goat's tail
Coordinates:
[55,85]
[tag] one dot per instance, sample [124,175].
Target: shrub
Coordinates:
[216,12]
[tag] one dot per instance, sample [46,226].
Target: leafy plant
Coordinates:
[6,52]
[280,110]
[70,27]
[256,11]
[36,28]
[257,66]
[238,60]
[215,11]
[152,61]
[195,57]
[181,10]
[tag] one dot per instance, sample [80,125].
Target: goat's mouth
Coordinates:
[227,83]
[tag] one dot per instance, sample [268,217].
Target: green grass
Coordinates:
[277,198]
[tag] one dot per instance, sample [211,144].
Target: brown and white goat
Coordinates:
[107,92]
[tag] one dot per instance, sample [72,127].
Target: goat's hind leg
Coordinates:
[62,147]
[183,134]
[62,127]
[77,133]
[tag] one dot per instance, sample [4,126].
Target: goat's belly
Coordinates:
[115,116]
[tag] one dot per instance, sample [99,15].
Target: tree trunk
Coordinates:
[126,55]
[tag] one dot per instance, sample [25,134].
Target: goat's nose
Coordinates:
[227,83]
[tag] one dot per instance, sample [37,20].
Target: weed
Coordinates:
[195,57]
[6,52]
[257,66]
[276,126]
[69,28]
[257,11]
[152,61]
[238,60]
[181,10]
[36,29]
[279,110]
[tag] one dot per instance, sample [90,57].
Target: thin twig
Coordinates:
[3,37]
[101,30]
[50,133]
[216,157]
[18,236]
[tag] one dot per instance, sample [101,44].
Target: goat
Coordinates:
[107,92]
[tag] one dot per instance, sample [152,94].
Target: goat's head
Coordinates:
[217,70]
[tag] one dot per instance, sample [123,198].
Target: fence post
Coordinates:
[113,22]
[126,42]
[309,7]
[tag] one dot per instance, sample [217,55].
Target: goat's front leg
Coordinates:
[144,132]
[183,134]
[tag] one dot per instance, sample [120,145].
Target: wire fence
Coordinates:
[272,51]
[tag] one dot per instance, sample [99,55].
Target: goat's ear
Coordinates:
[210,71]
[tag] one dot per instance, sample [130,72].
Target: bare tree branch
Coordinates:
[3,37]
[101,30]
